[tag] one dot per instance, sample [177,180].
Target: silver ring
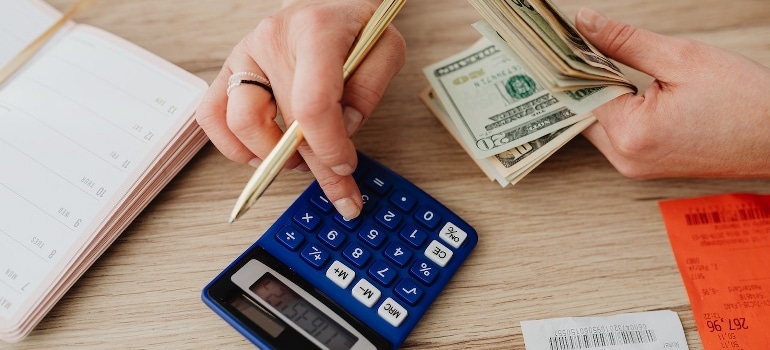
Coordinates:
[248,78]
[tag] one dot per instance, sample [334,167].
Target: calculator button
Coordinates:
[392,312]
[340,274]
[427,217]
[369,202]
[314,256]
[438,253]
[453,235]
[357,255]
[388,218]
[424,271]
[349,225]
[308,219]
[398,254]
[332,237]
[413,235]
[372,236]
[290,238]
[378,183]
[382,273]
[322,203]
[403,201]
[408,291]
[365,292]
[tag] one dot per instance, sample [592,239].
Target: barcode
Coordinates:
[725,216]
[595,340]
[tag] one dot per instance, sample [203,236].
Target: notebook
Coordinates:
[91,129]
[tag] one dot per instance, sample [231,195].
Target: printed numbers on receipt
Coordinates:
[722,247]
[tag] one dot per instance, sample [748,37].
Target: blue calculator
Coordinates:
[314,280]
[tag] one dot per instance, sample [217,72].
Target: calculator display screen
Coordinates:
[304,315]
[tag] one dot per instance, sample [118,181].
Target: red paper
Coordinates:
[722,247]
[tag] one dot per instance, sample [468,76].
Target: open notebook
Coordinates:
[91,129]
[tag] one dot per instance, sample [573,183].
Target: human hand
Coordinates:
[707,114]
[301,50]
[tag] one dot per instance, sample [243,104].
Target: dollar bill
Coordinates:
[549,44]
[496,104]
[509,167]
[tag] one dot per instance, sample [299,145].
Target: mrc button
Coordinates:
[392,312]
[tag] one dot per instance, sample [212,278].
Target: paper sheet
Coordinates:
[722,247]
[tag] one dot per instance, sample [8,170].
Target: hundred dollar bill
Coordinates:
[496,104]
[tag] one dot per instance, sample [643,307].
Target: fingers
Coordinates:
[367,85]
[648,52]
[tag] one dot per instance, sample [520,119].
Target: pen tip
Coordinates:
[232,219]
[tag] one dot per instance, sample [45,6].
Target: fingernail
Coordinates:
[352,118]
[592,21]
[255,162]
[343,169]
[347,208]
[302,167]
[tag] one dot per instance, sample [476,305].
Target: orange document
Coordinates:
[722,247]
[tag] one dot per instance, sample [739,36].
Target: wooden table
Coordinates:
[574,238]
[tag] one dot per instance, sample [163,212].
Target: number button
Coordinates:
[357,255]
[388,218]
[332,237]
[314,256]
[428,217]
[373,236]
[290,238]
[349,225]
[398,254]
[382,272]
[413,235]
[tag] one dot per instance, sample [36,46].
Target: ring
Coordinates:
[248,78]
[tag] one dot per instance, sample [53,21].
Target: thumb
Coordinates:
[637,48]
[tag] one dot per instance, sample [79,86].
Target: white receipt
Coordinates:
[637,331]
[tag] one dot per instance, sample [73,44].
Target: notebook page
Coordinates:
[78,128]
[21,21]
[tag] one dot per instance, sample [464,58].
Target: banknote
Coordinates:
[496,103]
[508,167]
[549,44]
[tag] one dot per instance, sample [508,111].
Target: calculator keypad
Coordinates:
[386,260]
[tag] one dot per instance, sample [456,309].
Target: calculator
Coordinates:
[314,280]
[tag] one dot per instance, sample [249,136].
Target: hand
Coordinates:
[707,114]
[301,51]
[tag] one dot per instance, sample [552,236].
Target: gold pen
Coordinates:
[274,162]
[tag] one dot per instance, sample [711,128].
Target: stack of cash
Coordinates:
[522,91]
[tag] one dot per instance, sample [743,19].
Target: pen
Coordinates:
[274,162]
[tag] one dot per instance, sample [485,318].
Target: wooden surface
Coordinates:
[574,238]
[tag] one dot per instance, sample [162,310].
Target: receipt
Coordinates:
[722,247]
[638,331]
